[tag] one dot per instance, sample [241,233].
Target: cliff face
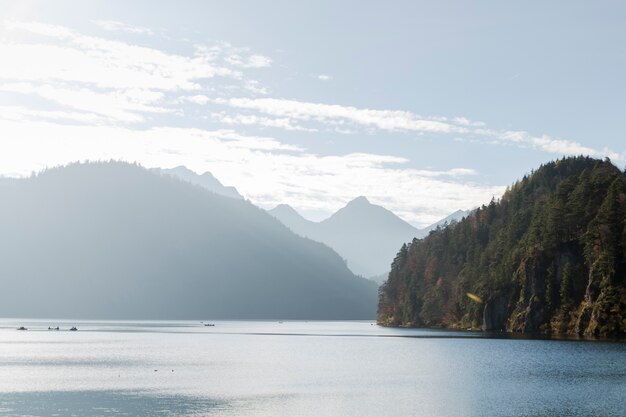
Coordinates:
[550,257]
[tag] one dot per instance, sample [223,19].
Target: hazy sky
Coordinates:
[423,107]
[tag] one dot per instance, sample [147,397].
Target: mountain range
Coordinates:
[205,180]
[114,240]
[366,235]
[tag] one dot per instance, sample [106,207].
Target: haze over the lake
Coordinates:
[424,107]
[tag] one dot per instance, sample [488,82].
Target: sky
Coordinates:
[423,107]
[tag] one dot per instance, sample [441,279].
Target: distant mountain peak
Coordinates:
[452,218]
[361,206]
[182,168]
[205,180]
[290,217]
[285,208]
[285,212]
[359,201]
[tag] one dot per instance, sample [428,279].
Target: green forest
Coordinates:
[548,257]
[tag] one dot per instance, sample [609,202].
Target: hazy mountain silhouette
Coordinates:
[114,240]
[206,180]
[365,234]
[454,217]
[293,220]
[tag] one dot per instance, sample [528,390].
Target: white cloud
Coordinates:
[114,80]
[114,26]
[258,61]
[241,57]
[390,120]
[23,114]
[403,121]
[263,169]
[101,62]
[123,106]
[254,87]
[199,99]
[546,143]
[324,77]
[94,89]
[253,120]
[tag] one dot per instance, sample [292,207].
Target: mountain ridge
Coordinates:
[206,180]
[114,240]
[364,234]
[354,219]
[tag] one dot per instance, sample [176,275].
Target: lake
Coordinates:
[261,368]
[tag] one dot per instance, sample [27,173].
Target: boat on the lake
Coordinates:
[73,329]
[22,328]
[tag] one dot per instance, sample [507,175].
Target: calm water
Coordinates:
[299,369]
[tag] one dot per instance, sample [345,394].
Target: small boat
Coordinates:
[73,329]
[209,325]
[22,328]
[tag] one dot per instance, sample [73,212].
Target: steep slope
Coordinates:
[113,240]
[206,180]
[549,257]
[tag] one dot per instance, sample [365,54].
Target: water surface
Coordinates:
[241,368]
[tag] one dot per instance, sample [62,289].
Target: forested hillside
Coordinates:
[114,240]
[549,257]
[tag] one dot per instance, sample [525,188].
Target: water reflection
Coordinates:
[105,403]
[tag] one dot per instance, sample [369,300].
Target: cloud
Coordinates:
[265,170]
[113,81]
[337,116]
[253,120]
[324,77]
[390,120]
[199,99]
[114,26]
[545,143]
[23,114]
[123,106]
[253,61]
[102,63]
[78,97]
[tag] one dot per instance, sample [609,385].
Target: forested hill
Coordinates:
[549,257]
[114,240]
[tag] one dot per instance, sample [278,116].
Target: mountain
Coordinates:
[206,180]
[549,257]
[288,216]
[7,182]
[364,234]
[446,221]
[114,240]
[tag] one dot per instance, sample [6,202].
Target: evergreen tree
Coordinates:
[560,228]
